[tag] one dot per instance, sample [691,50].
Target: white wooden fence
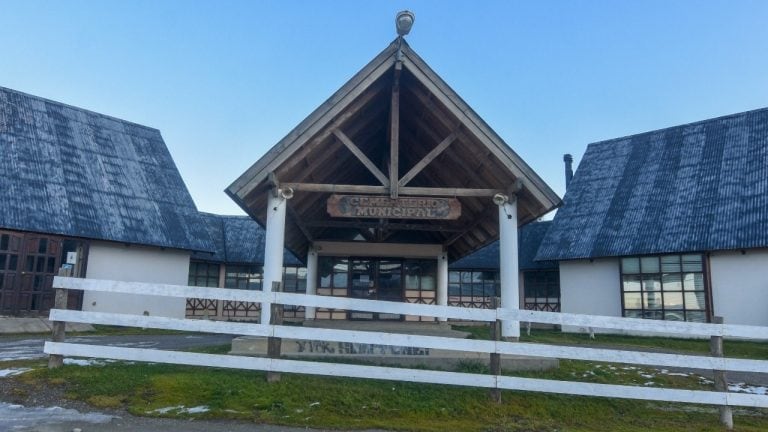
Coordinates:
[414,375]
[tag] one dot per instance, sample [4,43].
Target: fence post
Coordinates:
[721,382]
[495,364]
[274,344]
[58,327]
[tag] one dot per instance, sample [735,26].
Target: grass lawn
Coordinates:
[303,400]
[732,348]
[345,403]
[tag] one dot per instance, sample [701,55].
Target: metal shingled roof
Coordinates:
[73,172]
[238,240]
[530,237]
[696,187]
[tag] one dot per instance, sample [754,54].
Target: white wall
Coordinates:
[114,261]
[740,286]
[591,288]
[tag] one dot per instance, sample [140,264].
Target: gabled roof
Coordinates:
[430,111]
[237,240]
[72,172]
[529,240]
[697,187]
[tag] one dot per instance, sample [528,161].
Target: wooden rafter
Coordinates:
[361,156]
[427,159]
[389,225]
[394,132]
[416,191]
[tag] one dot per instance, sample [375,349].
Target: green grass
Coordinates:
[345,403]
[732,348]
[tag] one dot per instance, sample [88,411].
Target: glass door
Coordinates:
[362,285]
[389,285]
[376,279]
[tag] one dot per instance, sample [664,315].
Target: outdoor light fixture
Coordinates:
[404,22]
[500,199]
[286,193]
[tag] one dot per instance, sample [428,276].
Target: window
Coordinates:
[294,281]
[203,274]
[333,278]
[470,288]
[243,277]
[420,284]
[668,287]
[542,290]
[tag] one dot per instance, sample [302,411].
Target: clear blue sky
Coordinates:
[225,80]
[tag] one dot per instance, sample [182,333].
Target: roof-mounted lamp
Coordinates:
[404,21]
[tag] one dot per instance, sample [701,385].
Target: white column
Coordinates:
[309,311]
[510,288]
[274,244]
[442,281]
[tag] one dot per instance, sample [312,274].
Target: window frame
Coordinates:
[662,311]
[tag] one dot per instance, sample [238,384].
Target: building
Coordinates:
[238,262]
[670,224]
[97,193]
[394,174]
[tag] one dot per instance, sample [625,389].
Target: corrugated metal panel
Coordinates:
[529,239]
[238,239]
[68,171]
[695,187]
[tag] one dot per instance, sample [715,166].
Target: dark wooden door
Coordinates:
[375,279]
[28,263]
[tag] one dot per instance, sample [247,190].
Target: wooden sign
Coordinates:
[384,207]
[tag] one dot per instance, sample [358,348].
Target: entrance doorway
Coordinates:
[28,263]
[376,279]
[406,280]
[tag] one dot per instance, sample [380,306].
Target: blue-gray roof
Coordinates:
[529,239]
[696,187]
[73,172]
[238,240]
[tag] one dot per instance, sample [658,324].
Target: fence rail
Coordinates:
[676,328]
[722,398]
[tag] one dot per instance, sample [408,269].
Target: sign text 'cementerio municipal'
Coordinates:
[373,206]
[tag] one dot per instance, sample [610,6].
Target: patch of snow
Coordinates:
[13,371]
[676,374]
[198,409]
[84,362]
[746,388]
[167,409]
[181,409]
[14,417]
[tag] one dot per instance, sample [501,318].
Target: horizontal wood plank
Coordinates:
[420,341]
[410,375]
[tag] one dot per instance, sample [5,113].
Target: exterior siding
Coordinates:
[115,261]
[590,288]
[740,286]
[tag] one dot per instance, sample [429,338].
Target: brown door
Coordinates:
[28,263]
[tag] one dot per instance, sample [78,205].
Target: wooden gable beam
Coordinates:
[427,159]
[365,189]
[394,132]
[361,156]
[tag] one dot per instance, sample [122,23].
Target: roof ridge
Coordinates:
[40,98]
[694,123]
